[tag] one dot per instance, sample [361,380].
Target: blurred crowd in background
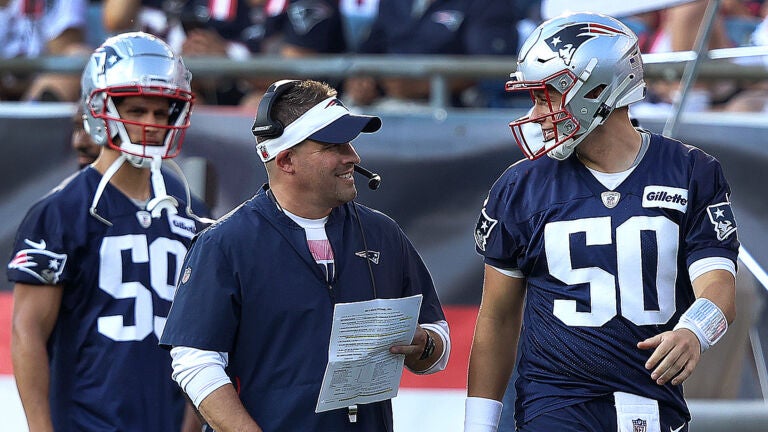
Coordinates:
[252,29]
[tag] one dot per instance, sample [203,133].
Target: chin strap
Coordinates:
[103,184]
[176,168]
[161,201]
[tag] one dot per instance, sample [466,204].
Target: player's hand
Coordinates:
[413,351]
[675,356]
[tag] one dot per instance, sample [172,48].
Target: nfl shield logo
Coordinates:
[610,198]
[144,218]
[186,275]
[639,425]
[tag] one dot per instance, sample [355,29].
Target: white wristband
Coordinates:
[481,414]
[706,321]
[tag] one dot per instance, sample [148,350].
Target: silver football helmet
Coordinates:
[135,64]
[593,61]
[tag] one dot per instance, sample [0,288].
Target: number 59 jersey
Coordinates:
[605,269]
[107,370]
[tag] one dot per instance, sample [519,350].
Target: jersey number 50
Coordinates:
[631,257]
[157,256]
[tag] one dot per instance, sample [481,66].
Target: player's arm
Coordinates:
[676,353]
[35,310]
[494,347]
[224,412]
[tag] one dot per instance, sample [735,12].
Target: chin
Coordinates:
[347,196]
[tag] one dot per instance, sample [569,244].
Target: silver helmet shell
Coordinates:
[593,61]
[135,64]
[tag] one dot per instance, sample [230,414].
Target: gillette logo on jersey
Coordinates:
[571,37]
[328,122]
[666,197]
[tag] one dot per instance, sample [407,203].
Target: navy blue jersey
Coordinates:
[481,27]
[312,24]
[107,372]
[251,288]
[605,269]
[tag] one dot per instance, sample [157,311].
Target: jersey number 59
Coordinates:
[157,255]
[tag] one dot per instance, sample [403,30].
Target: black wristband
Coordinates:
[429,348]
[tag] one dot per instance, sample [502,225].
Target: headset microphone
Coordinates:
[374,180]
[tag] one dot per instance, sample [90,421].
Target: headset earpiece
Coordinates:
[264,125]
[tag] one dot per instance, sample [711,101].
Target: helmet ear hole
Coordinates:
[595,92]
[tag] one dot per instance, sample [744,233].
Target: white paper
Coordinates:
[360,367]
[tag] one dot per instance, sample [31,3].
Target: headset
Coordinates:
[267,127]
[264,125]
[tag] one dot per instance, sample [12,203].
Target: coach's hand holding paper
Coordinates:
[360,367]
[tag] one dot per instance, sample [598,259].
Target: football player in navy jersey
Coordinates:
[251,320]
[610,263]
[96,260]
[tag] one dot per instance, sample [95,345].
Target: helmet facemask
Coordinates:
[527,130]
[141,152]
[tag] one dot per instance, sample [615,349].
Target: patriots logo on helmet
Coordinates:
[571,37]
[106,58]
[483,229]
[44,265]
[723,220]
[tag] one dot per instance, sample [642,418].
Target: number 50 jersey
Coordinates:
[605,269]
[107,370]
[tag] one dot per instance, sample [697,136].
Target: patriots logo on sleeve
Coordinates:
[44,265]
[483,229]
[723,220]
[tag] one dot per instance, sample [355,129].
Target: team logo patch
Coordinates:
[565,42]
[182,226]
[666,197]
[723,220]
[451,19]
[186,275]
[483,229]
[144,218]
[106,58]
[610,198]
[305,15]
[639,425]
[372,256]
[44,265]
